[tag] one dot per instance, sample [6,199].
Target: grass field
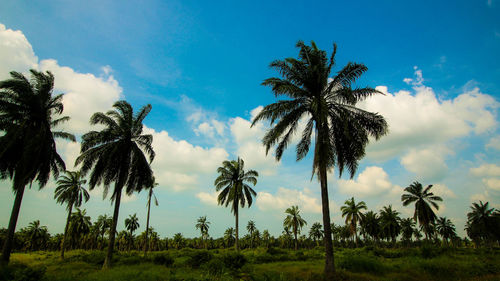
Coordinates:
[260,264]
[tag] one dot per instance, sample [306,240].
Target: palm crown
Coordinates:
[70,189]
[352,213]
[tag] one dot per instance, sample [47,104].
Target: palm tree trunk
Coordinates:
[295,235]
[236,215]
[63,244]
[111,244]
[356,234]
[7,247]
[147,224]
[130,242]
[329,259]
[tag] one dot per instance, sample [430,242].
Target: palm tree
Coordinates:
[423,199]
[27,143]
[352,212]
[229,236]
[70,190]
[233,182]
[389,222]
[481,222]
[294,221]
[407,229]
[251,228]
[79,225]
[116,154]
[104,223]
[445,228]
[341,129]
[266,237]
[36,234]
[316,233]
[371,225]
[151,195]
[132,224]
[203,225]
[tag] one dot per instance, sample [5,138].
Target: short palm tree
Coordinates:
[36,234]
[28,115]
[203,225]
[79,225]
[328,105]
[316,233]
[390,223]
[132,224]
[294,221]
[234,189]
[229,236]
[371,225]
[423,200]
[481,222]
[151,196]
[407,229]
[70,190]
[116,154]
[251,229]
[266,237]
[104,222]
[445,228]
[352,213]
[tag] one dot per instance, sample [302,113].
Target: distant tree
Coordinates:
[251,229]
[483,223]
[179,241]
[28,115]
[407,229]
[79,225]
[203,225]
[266,237]
[229,236]
[294,221]
[38,235]
[390,223]
[423,200]
[352,213]
[132,224]
[116,154]
[316,232]
[104,222]
[371,225]
[70,190]
[234,189]
[151,196]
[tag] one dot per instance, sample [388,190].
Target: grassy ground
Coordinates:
[260,264]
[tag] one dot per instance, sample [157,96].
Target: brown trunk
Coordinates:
[295,235]
[236,215]
[111,244]
[7,247]
[65,237]
[147,223]
[329,259]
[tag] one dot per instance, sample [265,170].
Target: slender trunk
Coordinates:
[63,244]
[356,234]
[146,246]
[236,215]
[251,240]
[295,235]
[131,241]
[7,247]
[329,259]
[111,244]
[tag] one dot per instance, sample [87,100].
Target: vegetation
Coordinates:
[294,221]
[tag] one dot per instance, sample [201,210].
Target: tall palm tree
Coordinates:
[390,223]
[316,233]
[70,190]
[294,221]
[423,200]
[233,186]
[445,228]
[203,225]
[352,213]
[151,195]
[79,225]
[28,115]
[116,154]
[251,229]
[37,234]
[132,224]
[341,129]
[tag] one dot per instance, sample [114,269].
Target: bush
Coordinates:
[163,259]
[21,272]
[214,267]
[361,263]
[130,260]
[94,257]
[234,261]
[198,258]
[428,252]
[275,251]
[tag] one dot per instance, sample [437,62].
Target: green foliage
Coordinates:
[199,258]
[163,259]
[214,267]
[234,260]
[21,272]
[361,263]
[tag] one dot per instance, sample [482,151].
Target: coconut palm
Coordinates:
[70,191]
[203,225]
[266,237]
[445,228]
[251,229]
[482,222]
[328,105]
[104,222]
[316,233]
[352,213]
[116,154]
[151,195]
[423,200]
[390,223]
[28,115]
[36,234]
[234,189]
[407,229]
[79,225]
[132,224]
[229,236]
[371,225]
[294,221]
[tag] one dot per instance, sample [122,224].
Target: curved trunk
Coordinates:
[146,246]
[236,215]
[111,244]
[65,237]
[7,247]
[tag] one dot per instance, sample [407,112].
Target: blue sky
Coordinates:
[200,65]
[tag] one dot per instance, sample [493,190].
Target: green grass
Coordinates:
[260,264]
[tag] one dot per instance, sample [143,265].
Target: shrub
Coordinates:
[275,251]
[198,258]
[163,259]
[233,260]
[361,263]
[130,260]
[94,257]
[214,267]
[21,272]
[428,252]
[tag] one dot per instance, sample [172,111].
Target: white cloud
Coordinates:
[208,198]
[427,163]
[489,170]
[494,143]
[420,119]
[443,191]
[16,53]
[492,183]
[285,198]
[372,181]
